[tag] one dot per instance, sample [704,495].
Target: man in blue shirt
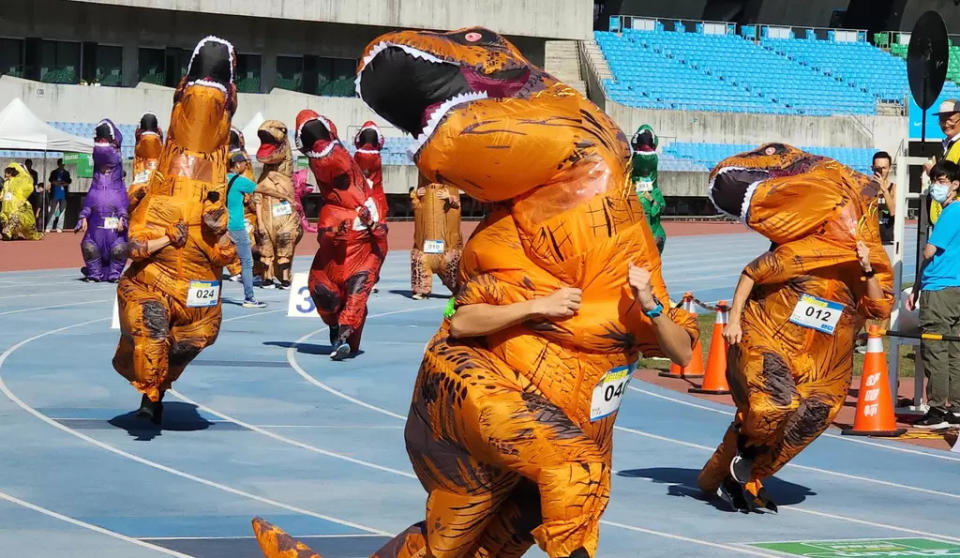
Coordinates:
[940,301]
[58,182]
[237,186]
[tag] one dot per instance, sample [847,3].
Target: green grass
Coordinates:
[706,322]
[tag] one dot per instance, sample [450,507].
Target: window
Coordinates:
[290,73]
[176,62]
[108,62]
[150,66]
[11,57]
[335,77]
[248,73]
[59,62]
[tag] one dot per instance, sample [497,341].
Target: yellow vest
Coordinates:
[953,155]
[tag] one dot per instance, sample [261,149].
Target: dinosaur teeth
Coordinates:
[208,83]
[437,115]
[214,39]
[326,151]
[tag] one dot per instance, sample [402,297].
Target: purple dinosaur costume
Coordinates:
[104,246]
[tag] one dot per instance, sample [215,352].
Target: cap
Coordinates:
[237,158]
[949,106]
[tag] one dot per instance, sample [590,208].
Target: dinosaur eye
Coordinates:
[473,36]
[770,151]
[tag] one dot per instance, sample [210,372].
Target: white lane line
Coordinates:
[90,526]
[10,395]
[290,441]
[277,426]
[35,308]
[702,542]
[292,358]
[243,537]
[806,510]
[893,446]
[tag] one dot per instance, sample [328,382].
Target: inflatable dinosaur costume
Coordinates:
[511,434]
[16,214]
[146,156]
[790,373]
[302,188]
[279,224]
[169,297]
[104,215]
[238,145]
[644,176]
[437,244]
[369,143]
[347,262]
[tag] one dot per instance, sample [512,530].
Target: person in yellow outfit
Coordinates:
[16,214]
[949,116]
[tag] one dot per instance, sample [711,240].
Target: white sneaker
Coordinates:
[59,230]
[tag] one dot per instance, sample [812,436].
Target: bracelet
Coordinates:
[870,273]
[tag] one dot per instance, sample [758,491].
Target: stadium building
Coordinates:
[712,77]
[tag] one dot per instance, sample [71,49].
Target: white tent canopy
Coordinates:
[20,129]
[250,134]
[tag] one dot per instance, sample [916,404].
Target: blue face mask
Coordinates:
[939,192]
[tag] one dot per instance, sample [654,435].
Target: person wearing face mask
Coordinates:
[939,294]
[949,116]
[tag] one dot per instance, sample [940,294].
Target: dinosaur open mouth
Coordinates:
[314,138]
[644,142]
[369,138]
[149,124]
[268,145]
[732,187]
[103,134]
[414,90]
[236,143]
[211,64]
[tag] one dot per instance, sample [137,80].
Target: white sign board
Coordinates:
[300,304]
[115,323]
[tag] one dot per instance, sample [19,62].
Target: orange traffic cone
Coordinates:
[715,381]
[695,368]
[875,415]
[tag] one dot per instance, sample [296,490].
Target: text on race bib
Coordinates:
[609,392]
[433,246]
[282,208]
[141,177]
[817,313]
[203,294]
[247,225]
[8,196]
[112,223]
[645,186]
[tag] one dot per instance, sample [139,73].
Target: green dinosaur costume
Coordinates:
[644,176]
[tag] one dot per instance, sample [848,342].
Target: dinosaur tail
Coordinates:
[277,544]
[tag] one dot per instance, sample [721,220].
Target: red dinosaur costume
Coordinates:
[369,142]
[348,260]
[511,434]
[169,297]
[789,375]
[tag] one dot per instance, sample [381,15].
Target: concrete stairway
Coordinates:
[562,61]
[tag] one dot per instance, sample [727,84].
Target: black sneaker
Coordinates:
[150,410]
[740,468]
[934,419]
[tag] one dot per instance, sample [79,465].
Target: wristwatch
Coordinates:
[869,274]
[654,312]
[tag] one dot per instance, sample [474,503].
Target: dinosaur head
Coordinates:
[369,137]
[300,185]
[786,194]
[316,137]
[274,144]
[106,146]
[419,80]
[645,140]
[237,143]
[149,137]
[206,97]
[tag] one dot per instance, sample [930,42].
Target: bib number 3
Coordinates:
[817,313]
[203,294]
[609,392]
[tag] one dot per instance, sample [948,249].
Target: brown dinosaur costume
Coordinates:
[511,434]
[437,245]
[146,156]
[279,224]
[169,297]
[789,379]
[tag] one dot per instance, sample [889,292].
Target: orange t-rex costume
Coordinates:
[169,299]
[437,244]
[348,260]
[146,157]
[511,434]
[280,222]
[789,379]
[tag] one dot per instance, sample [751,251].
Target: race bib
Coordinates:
[247,225]
[8,196]
[609,392]
[282,208]
[374,214]
[817,313]
[203,294]
[112,223]
[432,246]
[141,177]
[645,186]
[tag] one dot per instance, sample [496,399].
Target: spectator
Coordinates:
[939,286]
[237,186]
[36,198]
[949,115]
[58,181]
[887,196]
